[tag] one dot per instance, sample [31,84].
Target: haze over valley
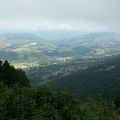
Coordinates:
[59,60]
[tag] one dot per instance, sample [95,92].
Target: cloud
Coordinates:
[86,15]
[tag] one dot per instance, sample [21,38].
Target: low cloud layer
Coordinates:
[85,15]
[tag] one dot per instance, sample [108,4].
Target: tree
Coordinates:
[10,76]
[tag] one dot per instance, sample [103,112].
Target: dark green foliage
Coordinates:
[117,102]
[18,101]
[25,103]
[10,76]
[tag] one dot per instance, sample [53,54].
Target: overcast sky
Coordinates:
[83,15]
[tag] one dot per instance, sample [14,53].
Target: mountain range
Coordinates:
[22,49]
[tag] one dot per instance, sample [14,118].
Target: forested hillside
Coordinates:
[19,101]
[102,79]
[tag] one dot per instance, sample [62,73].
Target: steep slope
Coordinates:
[102,79]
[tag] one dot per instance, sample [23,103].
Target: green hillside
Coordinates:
[102,79]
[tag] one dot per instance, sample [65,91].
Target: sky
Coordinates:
[83,15]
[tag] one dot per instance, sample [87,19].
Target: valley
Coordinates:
[59,63]
[27,50]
